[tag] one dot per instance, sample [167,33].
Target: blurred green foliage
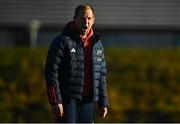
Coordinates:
[143,85]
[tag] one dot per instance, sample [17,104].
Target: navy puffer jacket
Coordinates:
[64,70]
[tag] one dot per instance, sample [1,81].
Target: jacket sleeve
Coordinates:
[103,96]
[53,61]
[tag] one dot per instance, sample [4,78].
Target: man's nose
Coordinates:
[85,20]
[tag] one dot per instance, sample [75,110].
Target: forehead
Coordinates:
[85,12]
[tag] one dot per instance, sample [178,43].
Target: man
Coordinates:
[75,70]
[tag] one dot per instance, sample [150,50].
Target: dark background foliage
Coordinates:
[143,85]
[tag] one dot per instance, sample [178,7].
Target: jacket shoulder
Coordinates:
[99,44]
[60,40]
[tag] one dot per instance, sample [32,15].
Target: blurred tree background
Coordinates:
[143,85]
[141,39]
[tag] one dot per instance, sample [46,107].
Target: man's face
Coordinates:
[84,21]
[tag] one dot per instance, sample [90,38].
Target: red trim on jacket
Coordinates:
[52,94]
[88,78]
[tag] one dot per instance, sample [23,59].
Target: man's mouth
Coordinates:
[84,27]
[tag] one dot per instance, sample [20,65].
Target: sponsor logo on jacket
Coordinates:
[99,55]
